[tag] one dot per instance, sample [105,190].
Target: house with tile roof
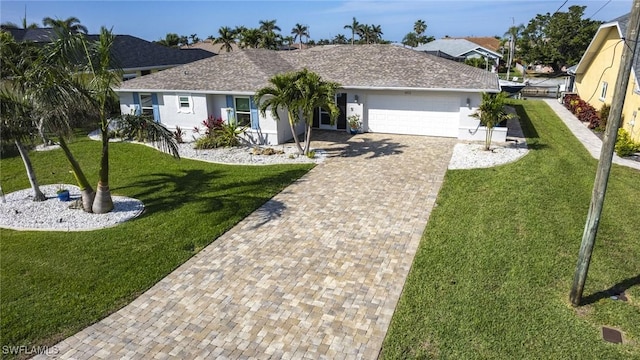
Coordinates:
[393,90]
[597,72]
[463,48]
[135,56]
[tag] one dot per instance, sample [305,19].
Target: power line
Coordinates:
[561,6]
[601,7]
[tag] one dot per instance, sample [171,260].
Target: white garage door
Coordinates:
[413,114]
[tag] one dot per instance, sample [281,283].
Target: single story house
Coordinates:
[463,48]
[597,72]
[392,89]
[135,56]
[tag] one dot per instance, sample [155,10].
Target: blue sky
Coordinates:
[151,20]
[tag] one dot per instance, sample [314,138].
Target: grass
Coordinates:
[492,275]
[53,284]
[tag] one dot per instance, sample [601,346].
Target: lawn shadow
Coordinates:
[615,290]
[528,129]
[185,188]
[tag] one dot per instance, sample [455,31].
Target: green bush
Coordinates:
[603,114]
[624,145]
[228,134]
[206,142]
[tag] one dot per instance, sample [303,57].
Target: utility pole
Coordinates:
[606,155]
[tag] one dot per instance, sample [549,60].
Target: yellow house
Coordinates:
[598,69]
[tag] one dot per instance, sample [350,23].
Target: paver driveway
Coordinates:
[316,272]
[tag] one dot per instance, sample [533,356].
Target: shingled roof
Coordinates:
[131,52]
[361,66]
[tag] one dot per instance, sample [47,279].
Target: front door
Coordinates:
[322,120]
[341,101]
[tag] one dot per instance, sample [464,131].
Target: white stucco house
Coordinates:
[393,89]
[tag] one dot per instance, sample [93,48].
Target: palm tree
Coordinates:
[227,38]
[281,94]
[194,38]
[250,38]
[512,34]
[365,33]
[339,39]
[315,93]
[170,40]
[299,31]
[71,24]
[491,113]
[355,27]
[269,26]
[420,26]
[376,33]
[16,125]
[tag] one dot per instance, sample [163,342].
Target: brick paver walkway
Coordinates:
[314,273]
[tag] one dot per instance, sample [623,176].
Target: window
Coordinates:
[145,72]
[603,94]
[184,103]
[243,111]
[146,104]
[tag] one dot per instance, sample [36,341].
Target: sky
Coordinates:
[152,20]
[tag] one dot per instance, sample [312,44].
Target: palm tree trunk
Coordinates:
[103,202]
[85,188]
[37,194]
[307,141]
[293,132]
[487,138]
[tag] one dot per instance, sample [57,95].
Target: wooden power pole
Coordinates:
[606,155]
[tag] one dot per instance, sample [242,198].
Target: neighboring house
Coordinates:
[597,71]
[392,89]
[463,48]
[209,46]
[487,42]
[135,56]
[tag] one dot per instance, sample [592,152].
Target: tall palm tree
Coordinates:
[420,26]
[376,33]
[16,122]
[227,38]
[315,93]
[71,24]
[194,38]
[513,33]
[365,33]
[269,26]
[354,27]
[281,94]
[299,31]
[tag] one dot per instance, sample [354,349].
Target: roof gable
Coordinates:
[361,66]
[455,47]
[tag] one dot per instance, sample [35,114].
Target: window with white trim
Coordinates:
[146,104]
[185,104]
[243,111]
[603,93]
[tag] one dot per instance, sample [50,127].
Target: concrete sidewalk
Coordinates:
[591,142]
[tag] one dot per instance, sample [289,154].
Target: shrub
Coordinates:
[582,110]
[624,145]
[228,133]
[603,114]
[178,135]
[206,142]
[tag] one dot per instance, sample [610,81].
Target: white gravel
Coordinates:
[474,156]
[21,213]
[244,155]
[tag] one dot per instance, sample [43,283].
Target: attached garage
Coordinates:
[412,114]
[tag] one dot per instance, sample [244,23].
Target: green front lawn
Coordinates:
[53,284]
[492,275]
